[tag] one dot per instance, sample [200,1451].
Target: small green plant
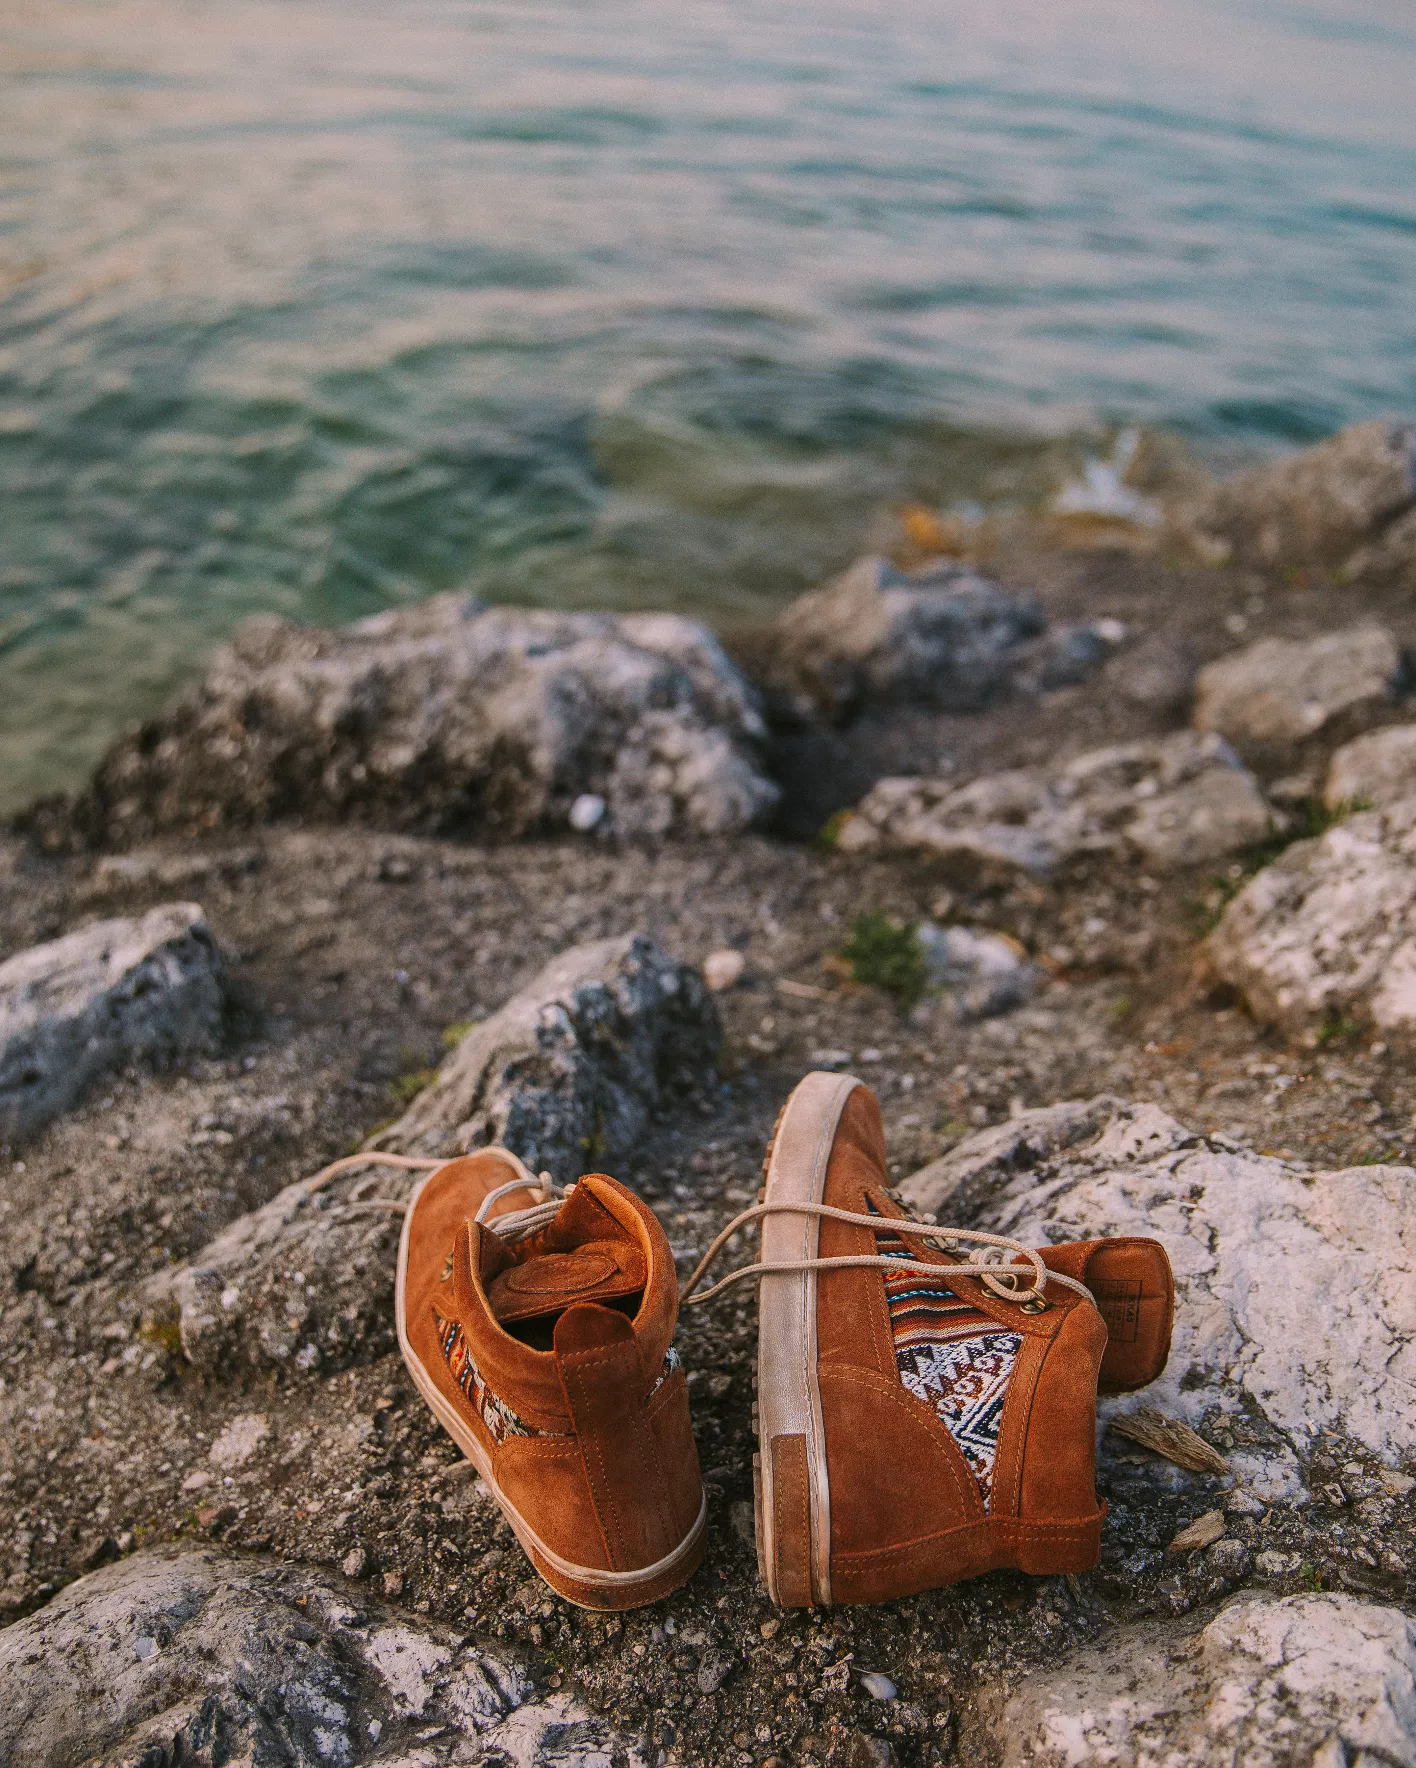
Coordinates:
[1120,1008]
[829,834]
[404,1088]
[888,956]
[453,1034]
[1333,1030]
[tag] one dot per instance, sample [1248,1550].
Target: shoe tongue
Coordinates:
[584,1255]
[548,1282]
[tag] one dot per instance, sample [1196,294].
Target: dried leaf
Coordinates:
[1204,1531]
[1170,1438]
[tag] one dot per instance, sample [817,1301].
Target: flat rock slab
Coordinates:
[948,639]
[151,988]
[447,716]
[1324,1680]
[1273,698]
[1295,1290]
[1317,507]
[566,1074]
[1327,933]
[189,1655]
[1181,801]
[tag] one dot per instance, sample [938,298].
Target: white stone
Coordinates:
[721,970]
[1295,1291]
[151,988]
[1374,770]
[1179,801]
[1271,697]
[980,973]
[1319,1680]
[1328,931]
[588,810]
[240,1439]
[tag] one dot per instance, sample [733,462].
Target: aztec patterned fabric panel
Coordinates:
[500,1420]
[966,1382]
[951,1355]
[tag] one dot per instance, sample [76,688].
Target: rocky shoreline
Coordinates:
[1145,797]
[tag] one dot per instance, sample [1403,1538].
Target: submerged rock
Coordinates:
[948,639]
[1328,931]
[193,1656]
[448,716]
[151,988]
[1322,1679]
[1271,698]
[566,1074]
[1295,1291]
[1318,507]
[1180,801]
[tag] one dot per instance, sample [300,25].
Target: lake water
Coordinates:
[320,305]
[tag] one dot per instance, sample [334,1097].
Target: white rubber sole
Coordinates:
[621,1586]
[788,1397]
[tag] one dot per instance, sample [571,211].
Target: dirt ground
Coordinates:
[354,952]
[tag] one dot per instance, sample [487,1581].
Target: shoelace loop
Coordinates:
[515,1225]
[991,1263]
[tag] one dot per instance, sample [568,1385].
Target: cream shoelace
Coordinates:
[987,1264]
[516,1224]
[990,1263]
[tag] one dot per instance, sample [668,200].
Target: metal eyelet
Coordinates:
[1033,1305]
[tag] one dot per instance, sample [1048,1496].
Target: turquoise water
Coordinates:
[319,305]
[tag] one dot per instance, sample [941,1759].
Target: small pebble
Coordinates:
[878,1687]
[722,969]
[354,1562]
[586,812]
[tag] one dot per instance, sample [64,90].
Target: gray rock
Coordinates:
[1328,931]
[1374,771]
[1295,1291]
[449,716]
[151,988]
[1179,801]
[194,1656]
[1319,1680]
[1317,507]
[1273,697]
[566,1074]
[1390,559]
[949,639]
[979,974]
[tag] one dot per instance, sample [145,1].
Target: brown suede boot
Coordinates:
[540,1334]
[923,1420]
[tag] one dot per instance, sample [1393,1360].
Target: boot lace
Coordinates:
[991,1262]
[514,1226]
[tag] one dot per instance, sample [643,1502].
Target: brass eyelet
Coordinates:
[1033,1305]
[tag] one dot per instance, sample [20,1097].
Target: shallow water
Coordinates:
[319,305]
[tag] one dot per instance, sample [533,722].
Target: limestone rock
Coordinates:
[1272,697]
[152,988]
[1320,1680]
[1374,771]
[1319,506]
[1296,1291]
[1390,559]
[1328,931]
[448,716]
[566,1074]
[978,974]
[1179,801]
[191,1655]
[948,639]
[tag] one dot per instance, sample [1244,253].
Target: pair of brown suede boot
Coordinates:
[926,1397]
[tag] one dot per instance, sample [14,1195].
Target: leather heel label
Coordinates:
[791,1521]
